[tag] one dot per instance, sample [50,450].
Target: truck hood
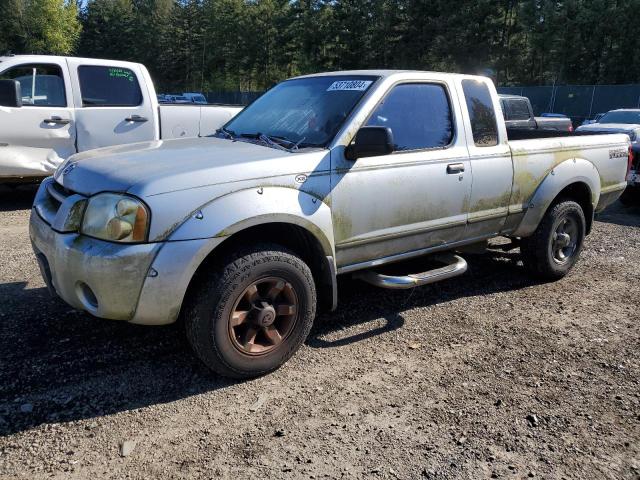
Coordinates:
[152,168]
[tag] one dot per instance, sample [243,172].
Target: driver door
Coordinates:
[415,198]
[38,136]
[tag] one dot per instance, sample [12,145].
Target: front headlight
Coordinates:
[117,218]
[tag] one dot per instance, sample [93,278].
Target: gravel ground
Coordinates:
[487,375]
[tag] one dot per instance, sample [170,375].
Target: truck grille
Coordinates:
[49,200]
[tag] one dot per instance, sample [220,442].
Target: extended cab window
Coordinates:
[41,85]
[483,118]
[109,87]
[418,114]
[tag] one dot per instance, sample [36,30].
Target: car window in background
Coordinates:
[109,87]
[483,118]
[621,117]
[41,85]
[309,111]
[418,114]
[196,98]
[517,109]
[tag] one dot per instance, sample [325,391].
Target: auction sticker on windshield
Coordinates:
[342,85]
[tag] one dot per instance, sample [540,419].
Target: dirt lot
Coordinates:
[487,375]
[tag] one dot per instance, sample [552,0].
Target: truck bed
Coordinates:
[534,158]
[179,121]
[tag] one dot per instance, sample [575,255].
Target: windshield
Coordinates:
[621,117]
[307,112]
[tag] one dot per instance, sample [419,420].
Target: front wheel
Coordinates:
[555,246]
[252,312]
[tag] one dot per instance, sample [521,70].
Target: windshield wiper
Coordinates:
[229,134]
[275,141]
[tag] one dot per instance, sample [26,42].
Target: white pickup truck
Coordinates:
[52,107]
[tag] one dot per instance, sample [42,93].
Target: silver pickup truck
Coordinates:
[242,235]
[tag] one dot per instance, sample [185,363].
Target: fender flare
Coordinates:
[239,210]
[571,171]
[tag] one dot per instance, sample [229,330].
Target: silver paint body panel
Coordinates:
[364,213]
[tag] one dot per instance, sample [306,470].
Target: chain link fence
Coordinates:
[579,102]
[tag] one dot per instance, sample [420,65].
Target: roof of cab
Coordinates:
[387,73]
[44,58]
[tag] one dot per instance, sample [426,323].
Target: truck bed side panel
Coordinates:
[183,121]
[604,161]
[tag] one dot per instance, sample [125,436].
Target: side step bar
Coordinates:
[454,266]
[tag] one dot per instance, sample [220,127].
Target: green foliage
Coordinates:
[39,26]
[251,44]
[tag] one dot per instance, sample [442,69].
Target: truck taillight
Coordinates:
[630,161]
[571,127]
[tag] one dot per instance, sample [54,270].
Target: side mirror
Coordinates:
[370,142]
[10,93]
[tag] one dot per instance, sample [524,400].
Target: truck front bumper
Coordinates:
[143,283]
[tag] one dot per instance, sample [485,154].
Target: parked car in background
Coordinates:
[244,234]
[52,107]
[595,119]
[180,99]
[197,98]
[625,121]
[518,115]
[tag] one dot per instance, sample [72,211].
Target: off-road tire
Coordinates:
[537,250]
[211,301]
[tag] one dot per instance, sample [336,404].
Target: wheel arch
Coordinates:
[575,179]
[306,242]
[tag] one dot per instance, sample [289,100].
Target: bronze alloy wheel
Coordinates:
[251,310]
[263,316]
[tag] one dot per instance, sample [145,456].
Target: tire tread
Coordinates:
[533,249]
[219,284]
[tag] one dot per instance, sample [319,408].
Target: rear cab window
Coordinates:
[102,86]
[484,126]
[418,114]
[42,85]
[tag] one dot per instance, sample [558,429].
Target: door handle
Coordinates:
[136,118]
[453,168]
[57,121]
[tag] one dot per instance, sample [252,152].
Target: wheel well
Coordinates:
[580,193]
[293,237]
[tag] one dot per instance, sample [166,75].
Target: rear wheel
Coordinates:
[555,246]
[252,313]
